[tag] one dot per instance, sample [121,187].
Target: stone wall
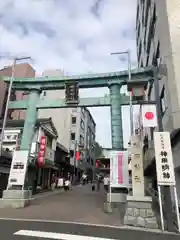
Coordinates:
[140,217]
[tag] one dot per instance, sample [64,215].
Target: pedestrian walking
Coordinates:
[70,182]
[84,177]
[98,182]
[66,185]
[106,183]
[53,181]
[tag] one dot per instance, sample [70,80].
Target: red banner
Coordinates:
[97,163]
[78,156]
[42,151]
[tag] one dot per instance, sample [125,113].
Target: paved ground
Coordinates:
[75,215]
[78,205]
[24,230]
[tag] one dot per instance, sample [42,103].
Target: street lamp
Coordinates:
[128,53]
[9,96]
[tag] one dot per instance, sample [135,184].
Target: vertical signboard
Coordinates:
[18,168]
[42,150]
[165,170]
[119,175]
[164,159]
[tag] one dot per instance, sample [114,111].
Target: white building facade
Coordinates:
[158,44]
[75,126]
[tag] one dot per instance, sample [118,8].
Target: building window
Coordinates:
[81,140]
[71,153]
[151,30]
[73,136]
[49,141]
[93,136]
[147,60]
[163,101]
[82,125]
[148,4]
[73,120]
[154,62]
[137,15]
[83,111]
[139,52]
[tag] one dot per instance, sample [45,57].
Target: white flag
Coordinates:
[149,115]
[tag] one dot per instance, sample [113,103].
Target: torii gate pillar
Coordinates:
[117,194]
[116,117]
[19,196]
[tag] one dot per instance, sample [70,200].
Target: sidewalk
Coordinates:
[47,194]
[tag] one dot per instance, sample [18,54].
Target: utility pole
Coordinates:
[9,97]
[74,172]
[166,189]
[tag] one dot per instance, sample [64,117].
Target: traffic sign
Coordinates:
[149,115]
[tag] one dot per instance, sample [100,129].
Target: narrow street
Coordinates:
[78,205]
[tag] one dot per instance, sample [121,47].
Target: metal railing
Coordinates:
[155,195]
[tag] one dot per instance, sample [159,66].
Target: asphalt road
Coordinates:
[12,230]
[78,205]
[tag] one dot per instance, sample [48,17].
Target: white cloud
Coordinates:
[66,34]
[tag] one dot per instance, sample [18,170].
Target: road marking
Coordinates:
[59,236]
[61,222]
[87,224]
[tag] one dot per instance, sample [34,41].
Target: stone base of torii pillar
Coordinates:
[15,198]
[139,209]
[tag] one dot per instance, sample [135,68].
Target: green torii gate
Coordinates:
[113,80]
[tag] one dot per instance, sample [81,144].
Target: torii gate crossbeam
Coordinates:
[113,81]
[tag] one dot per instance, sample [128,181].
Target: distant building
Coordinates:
[72,124]
[21,70]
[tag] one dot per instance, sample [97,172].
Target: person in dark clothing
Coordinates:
[98,182]
[66,185]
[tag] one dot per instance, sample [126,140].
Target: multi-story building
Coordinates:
[37,175]
[75,126]
[158,35]
[21,70]
[82,137]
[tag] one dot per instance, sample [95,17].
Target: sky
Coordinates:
[76,36]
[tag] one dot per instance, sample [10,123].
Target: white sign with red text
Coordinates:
[149,115]
[119,175]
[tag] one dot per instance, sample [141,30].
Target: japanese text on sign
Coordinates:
[42,150]
[164,159]
[137,168]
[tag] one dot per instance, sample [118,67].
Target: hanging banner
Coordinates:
[119,175]
[149,115]
[18,168]
[78,156]
[42,150]
[164,159]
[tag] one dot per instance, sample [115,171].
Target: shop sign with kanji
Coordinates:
[42,150]
[164,159]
